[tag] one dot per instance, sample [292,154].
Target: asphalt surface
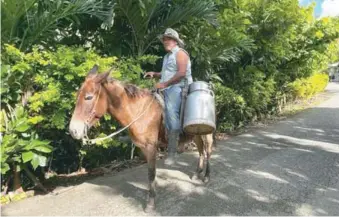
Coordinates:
[288,168]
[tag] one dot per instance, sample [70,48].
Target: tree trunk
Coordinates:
[33,178]
[25,96]
[6,185]
[16,180]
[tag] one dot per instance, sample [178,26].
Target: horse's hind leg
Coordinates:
[150,152]
[200,145]
[208,143]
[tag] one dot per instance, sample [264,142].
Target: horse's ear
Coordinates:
[93,72]
[104,76]
[101,77]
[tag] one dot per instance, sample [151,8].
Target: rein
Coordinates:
[91,141]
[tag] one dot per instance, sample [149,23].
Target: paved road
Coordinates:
[289,168]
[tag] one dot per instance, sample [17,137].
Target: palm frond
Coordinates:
[12,12]
[40,19]
[148,18]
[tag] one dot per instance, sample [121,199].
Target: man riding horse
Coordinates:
[137,110]
[174,75]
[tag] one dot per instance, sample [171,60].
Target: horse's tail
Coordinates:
[162,137]
[214,139]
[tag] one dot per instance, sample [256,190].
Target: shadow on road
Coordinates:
[289,168]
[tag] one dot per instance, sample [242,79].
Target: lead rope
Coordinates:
[86,140]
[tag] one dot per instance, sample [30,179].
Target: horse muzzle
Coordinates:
[77,129]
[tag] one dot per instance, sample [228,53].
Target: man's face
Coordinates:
[169,43]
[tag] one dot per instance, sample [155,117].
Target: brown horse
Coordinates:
[100,94]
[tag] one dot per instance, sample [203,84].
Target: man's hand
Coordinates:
[160,85]
[151,74]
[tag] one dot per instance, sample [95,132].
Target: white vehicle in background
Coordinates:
[333,72]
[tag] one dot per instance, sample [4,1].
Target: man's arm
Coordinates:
[157,74]
[182,61]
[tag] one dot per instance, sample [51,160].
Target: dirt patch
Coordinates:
[58,183]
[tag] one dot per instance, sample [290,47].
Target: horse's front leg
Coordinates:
[151,161]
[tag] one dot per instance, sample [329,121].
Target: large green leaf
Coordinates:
[16,159]
[22,127]
[44,149]
[22,142]
[35,162]
[39,145]
[4,168]
[27,156]
[38,160]
[36,142]
[8,140]
[19,112]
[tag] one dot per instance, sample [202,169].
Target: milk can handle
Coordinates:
[212,93]
[211,89]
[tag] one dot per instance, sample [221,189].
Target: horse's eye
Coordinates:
[88,97]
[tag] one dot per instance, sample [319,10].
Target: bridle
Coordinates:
[93,111]
[92,115]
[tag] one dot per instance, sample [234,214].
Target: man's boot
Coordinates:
[173,139]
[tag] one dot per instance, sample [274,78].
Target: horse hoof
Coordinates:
[195,177]
[206,179]
[149,208]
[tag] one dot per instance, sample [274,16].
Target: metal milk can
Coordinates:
[199,113]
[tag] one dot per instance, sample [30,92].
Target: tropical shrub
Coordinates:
[20,144]
[21,148]
[231,109]
[54,77]
[305,88]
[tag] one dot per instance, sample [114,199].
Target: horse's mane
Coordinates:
[133,91]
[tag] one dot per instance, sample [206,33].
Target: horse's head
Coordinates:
[91,104]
